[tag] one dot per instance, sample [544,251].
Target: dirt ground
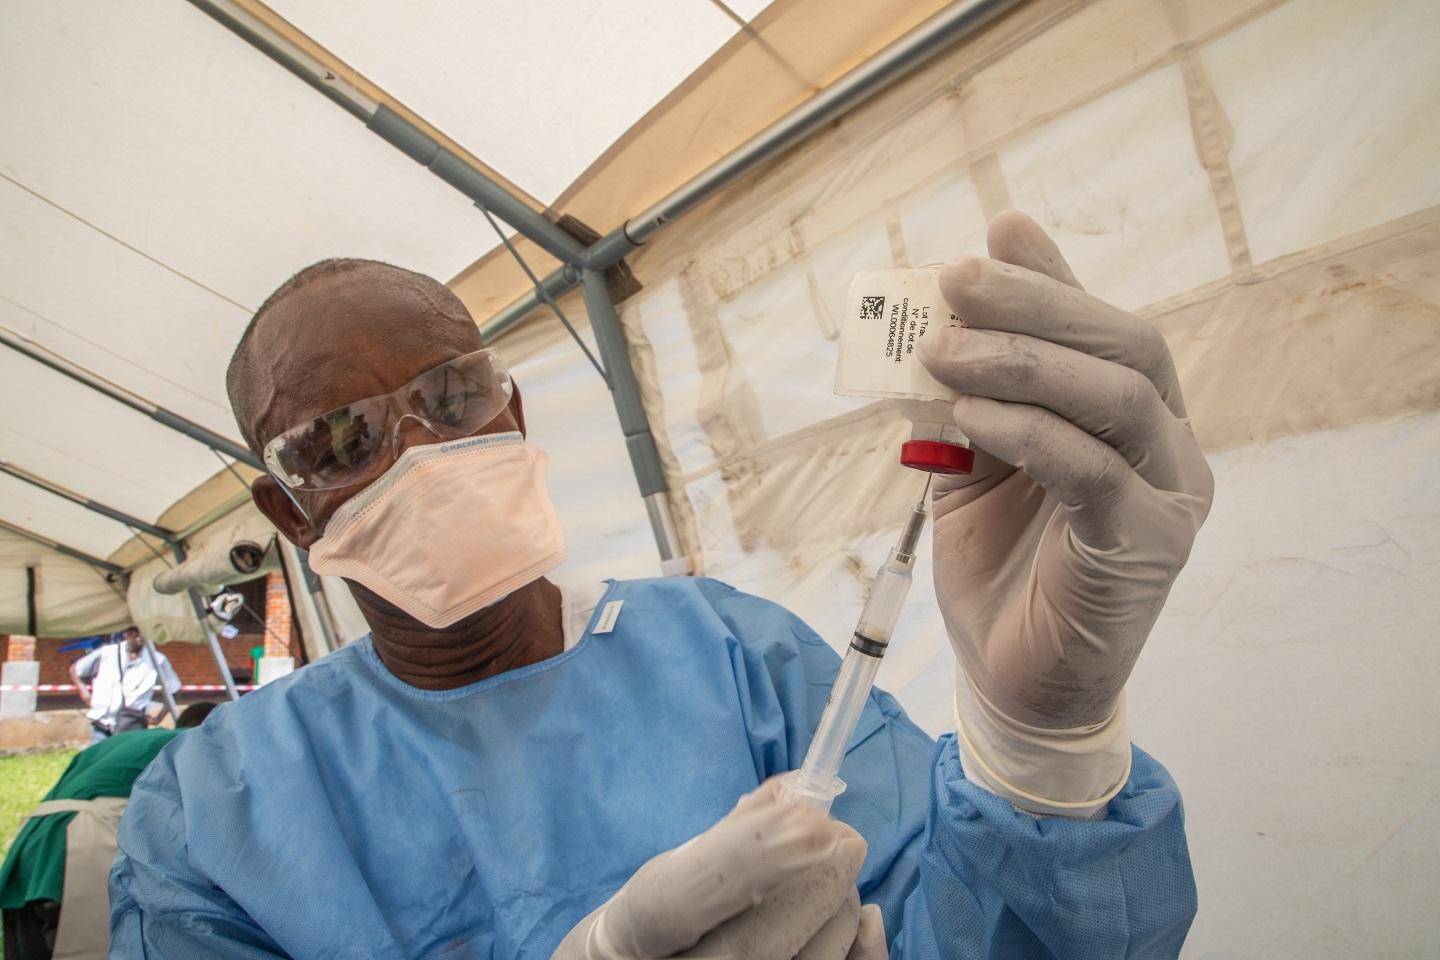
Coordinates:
[45,730]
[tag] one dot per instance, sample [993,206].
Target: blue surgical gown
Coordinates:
[340,812]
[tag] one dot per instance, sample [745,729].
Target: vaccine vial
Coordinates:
[887,312]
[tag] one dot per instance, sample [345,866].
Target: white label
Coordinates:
[886,314]
[608,616]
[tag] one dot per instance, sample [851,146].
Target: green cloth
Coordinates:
[35,868]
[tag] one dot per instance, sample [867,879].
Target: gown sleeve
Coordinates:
[959,872]
[188,916]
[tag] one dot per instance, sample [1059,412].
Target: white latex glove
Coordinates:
[1054,557]
[773,880]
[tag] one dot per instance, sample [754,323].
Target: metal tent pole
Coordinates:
[898,60]
[625,392]
[560,282]
[902,57]
[23,344]
[198,605]
[308,595]
[164,690]
[91,505]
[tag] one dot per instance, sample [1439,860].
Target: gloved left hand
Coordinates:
[1055,556]
[773,880]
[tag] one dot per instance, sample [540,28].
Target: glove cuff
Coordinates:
[1071,772]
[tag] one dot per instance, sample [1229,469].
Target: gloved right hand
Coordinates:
[1054,557]
[773,880]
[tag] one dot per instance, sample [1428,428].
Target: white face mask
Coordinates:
[449,529]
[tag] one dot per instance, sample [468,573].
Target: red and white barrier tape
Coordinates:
[70,687]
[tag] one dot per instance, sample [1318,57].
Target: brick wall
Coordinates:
[280,634]
[195,664]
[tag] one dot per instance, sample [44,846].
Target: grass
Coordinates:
[24,779]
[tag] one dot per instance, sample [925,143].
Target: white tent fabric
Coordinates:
[1258,177]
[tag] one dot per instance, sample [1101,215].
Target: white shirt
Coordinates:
[118,681]
[577,604]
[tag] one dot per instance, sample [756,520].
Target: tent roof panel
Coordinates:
[125,320]
[38,511]
[159,126]
[536,88]
[80,439]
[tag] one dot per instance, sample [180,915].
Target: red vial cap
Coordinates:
[933,456]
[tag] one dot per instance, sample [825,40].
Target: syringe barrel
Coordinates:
[842,712]
[887,599]
[816,783]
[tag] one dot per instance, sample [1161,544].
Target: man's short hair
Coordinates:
[240,377]
[195,714]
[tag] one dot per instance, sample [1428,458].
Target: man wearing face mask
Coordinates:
[506,769]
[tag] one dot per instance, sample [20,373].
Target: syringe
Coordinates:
[816,783]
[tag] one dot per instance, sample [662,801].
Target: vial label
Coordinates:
[886,314]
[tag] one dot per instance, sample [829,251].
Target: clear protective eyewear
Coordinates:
[357,442]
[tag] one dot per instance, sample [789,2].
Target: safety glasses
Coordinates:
[356,443]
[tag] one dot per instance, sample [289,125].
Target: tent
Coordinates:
[1257,177]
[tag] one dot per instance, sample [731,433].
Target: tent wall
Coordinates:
[1258,179]
[71,597]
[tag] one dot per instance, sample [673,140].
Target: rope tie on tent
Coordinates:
[228,465]
[544,295]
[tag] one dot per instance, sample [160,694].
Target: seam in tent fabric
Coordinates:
[990,185]
[1213,134]
[128,246]
[109,352]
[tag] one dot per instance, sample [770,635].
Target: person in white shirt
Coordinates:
[117,682]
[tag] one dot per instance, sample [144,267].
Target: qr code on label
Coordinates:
[872,308]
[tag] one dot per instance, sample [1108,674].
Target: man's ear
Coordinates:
[517,407]
[282,512]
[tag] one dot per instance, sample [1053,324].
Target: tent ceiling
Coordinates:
[536,88]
